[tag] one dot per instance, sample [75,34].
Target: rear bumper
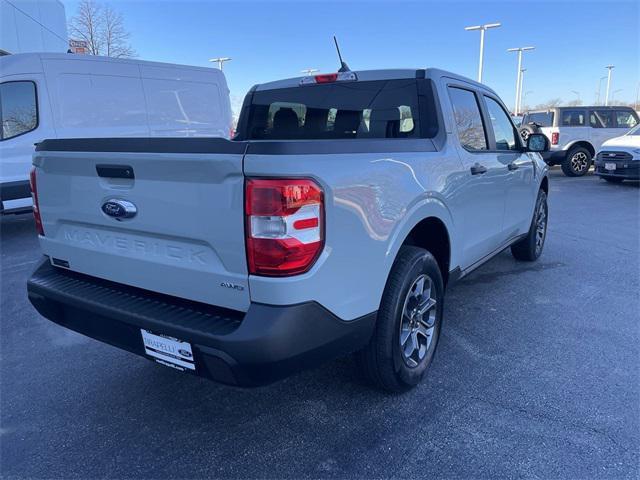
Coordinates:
[15,190]
[246,349]
[627,169]
[554,157]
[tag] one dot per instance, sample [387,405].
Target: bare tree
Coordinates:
[574,103]
[554,102]
[102,28]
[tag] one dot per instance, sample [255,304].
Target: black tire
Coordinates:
[529,249]
[577,163]
[614,179]
[384,360]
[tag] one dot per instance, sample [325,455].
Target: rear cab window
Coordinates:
[18,108]
[339,110]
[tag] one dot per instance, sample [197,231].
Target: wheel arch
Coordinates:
[432,234]
[544,184]
[584,144]
[428,214]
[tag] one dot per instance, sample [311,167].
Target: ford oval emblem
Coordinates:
[119,209]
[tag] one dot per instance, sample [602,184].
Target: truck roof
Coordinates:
[386,74]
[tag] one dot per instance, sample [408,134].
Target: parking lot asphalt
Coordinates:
[537,375]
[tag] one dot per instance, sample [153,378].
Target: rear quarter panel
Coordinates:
[372,201]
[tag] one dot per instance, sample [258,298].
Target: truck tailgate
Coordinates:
[186,237]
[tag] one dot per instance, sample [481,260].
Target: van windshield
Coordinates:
[340,110]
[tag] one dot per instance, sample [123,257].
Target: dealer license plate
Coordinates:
[168,351]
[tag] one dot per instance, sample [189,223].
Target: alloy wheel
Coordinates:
[579,162]
[541,226]
[418,323]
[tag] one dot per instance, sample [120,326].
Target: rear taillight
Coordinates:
[36,205]
[284,225]
[555,137]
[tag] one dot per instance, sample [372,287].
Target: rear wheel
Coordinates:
[613,179]
[577,162]
[408,324]
[530,247]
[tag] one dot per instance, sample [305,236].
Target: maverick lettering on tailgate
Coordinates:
[136,246]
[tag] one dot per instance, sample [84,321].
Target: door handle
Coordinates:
[478,169]
[513,166]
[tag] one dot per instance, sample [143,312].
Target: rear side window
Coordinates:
[625,119]
[505,136]
[340,110]
[544,119]
[468,120]
[573,118]
[604,119]
[18,108]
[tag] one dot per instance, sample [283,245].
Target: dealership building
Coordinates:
[32,26]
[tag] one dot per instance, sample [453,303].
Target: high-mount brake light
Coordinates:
[329,78]
[284,225]
[36,204]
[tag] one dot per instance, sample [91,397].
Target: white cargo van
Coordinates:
[57,95]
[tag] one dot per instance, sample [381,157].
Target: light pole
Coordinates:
[482,28]
[599,101]
[606,98]
[309,71]
[522,70]
[518,73]
[220,61]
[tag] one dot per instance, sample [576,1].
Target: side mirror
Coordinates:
[537,142]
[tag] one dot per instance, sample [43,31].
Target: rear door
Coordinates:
[185,236]
[484,193]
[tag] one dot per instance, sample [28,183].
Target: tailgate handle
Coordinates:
[115,171]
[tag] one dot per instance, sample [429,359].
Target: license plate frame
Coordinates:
[169,351]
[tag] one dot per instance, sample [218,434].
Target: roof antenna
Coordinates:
[343,66]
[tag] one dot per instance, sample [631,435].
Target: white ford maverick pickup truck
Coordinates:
[332,223]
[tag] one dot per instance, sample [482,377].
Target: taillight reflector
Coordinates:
[36,205]
[284,225]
